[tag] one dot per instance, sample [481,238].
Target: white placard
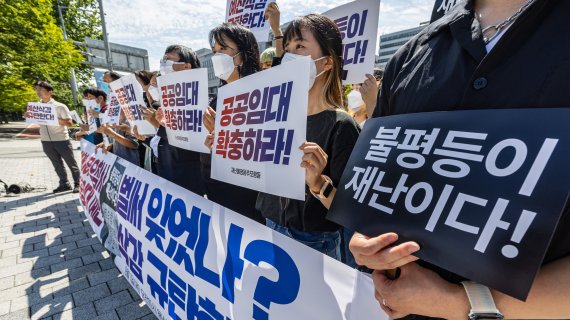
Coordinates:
[91,120]
[188,257]
[184,99]
[358,25]
[261,122]
[113,112]
[41,113]
[250,14]
[129,93]
[75,116]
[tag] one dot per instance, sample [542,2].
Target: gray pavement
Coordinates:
[51,264]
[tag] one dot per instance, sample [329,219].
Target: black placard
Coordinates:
[481,191]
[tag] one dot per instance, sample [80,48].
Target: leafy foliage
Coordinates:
[32,48]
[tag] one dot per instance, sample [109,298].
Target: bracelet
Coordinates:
[317,192]
[278,37]
[325,189]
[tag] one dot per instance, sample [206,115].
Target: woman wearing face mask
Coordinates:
[236,56]
[94,101]
[332,134]
[357,107]
[177,165]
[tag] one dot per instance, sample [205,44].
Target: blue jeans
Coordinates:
[347,257]
[325,242]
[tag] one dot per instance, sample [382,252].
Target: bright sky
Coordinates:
[153,25]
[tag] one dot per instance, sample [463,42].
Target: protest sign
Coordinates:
[184,99]
[261,122]
[113,113]
[129,93]
[95,170]
[75,116]
[41,113]
[92,121]
[250,14]
[189,258]
[481,191]
[358,25]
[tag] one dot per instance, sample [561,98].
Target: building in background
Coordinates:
[125,58]
[391,42]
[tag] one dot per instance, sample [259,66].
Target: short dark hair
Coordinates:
[95,92]
[114,76]
[246,42]
[44,84]
[185,54]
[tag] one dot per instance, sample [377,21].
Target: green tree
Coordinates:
[32,48]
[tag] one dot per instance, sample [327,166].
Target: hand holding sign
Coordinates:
[377,253]
[138,135]
[122,127]
[159,116]
[314,161]
[148,114]
[210,119]
[419,291]
[102,129]
[209,142]
[273,15]
[369,92]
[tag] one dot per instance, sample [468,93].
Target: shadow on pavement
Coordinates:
[61,237]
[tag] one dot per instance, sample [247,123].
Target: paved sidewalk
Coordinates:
[51,264]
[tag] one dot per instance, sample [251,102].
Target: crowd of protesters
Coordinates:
[432,72]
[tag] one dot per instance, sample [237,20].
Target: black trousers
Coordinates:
[181,167]
[58,152]
[238,199]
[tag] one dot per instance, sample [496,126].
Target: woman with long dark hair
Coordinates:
[236,56]
[332,134]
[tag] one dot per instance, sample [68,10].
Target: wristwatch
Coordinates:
[482,303]
[326,189]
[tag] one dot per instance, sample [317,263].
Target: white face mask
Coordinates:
[91,104]
[154,93]
[223,65]
[287,57]
[355,101]
[166,66]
